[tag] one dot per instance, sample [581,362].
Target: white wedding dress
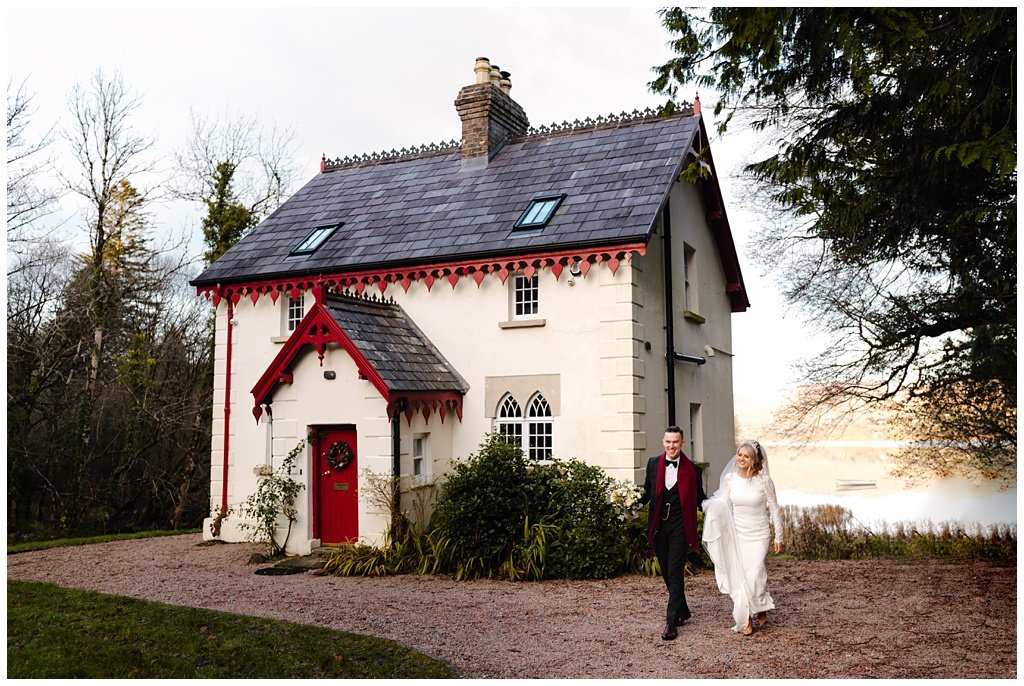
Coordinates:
[736,536]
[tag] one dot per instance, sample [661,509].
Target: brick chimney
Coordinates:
[490,117]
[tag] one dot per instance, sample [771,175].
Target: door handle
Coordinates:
[327,472]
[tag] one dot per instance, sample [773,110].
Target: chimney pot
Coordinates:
[506,82]
[495,75]
[482,70]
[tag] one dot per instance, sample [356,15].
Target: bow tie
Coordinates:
[670,463]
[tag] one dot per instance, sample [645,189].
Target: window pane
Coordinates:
[539,212]
[544,210]
[295,311]
[540,440]
[527,296]
[511,433]
[539,407]
[509,408]
[532,212]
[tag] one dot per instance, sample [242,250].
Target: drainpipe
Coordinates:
[670,342]
[227,409]
[396,464]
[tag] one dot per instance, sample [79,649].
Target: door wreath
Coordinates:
[339,455]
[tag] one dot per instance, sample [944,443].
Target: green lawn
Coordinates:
[65,542]
[56,633]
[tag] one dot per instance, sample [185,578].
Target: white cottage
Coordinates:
[559,285]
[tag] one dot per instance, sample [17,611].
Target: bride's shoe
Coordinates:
[748,629]
[762,618]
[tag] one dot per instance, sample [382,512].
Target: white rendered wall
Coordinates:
[586,341]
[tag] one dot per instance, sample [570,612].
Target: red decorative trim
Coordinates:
[478,270]
[426,403]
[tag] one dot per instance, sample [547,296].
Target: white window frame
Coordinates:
[508,422]
[293,310]
[421,462]
[533,433]
[696,443]
[525,297]
[540,429]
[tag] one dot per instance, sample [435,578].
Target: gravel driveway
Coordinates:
[882,619]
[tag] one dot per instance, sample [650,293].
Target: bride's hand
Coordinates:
[778,547]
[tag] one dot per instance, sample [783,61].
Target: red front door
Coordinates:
[338,484]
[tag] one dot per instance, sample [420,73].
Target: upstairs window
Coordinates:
[538,213]
[690,278]
[313,240]
[526,297]
[295,310]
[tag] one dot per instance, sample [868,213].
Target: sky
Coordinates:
[353,80]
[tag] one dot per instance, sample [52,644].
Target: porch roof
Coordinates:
[393,345]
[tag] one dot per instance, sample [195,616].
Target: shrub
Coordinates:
[481,511]
[587,539]
[274,499]
[500,515]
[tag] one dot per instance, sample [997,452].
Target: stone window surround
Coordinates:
[522,388]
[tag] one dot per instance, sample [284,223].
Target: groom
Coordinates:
[671,491]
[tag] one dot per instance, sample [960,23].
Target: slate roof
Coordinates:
[427,209]
[393,345]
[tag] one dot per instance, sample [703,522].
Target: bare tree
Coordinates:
[27,201]
[238,171]
[109,152]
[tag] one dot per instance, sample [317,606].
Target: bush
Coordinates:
[481,511]
[499,515]
[587,540]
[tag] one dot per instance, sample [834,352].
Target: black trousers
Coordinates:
[670,547]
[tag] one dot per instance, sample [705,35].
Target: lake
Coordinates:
[857,475]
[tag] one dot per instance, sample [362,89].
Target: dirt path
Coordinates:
[871,619]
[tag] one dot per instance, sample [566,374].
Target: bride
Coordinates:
[736,534]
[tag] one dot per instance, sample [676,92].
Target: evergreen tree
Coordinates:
[894,132]
[227,220]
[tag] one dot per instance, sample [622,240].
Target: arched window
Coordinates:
[536,440]
[539,428]
[510,421]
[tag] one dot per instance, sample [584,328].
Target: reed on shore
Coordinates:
[831,532]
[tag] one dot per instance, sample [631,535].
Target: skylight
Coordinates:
[538,213]
[314,240]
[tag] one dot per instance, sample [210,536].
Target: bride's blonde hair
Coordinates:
[757,464]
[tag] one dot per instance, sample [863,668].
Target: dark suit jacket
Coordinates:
[689,497]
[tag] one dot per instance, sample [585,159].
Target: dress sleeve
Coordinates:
[773,507]
[726,488]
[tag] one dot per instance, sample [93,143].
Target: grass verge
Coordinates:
[60,633]
[65,542]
